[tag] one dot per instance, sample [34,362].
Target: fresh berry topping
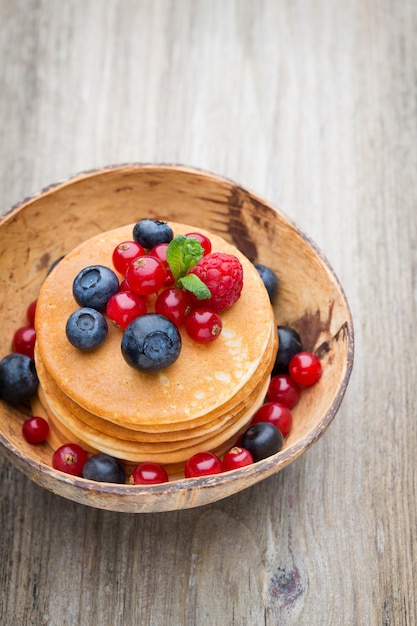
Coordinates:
[125,253]
[275,413]
[86,328]
[146,275]
[150,232]
[124,307]
[174,303]
[30,312]
[203,325]
[305,368]
[35,429]
[69,458]
[160,252]
[262,440]
[104,468]
[18,378]
[269,279]
[289,344]
[94,286]
[151,343]
[202,464]
[182,254]
[236,457]
[203,241]
[149,474]
[283,389]
[24,341]
[223,275]
[124,286]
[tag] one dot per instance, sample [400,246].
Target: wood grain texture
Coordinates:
[312,105]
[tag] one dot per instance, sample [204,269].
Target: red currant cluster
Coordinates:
[148,272]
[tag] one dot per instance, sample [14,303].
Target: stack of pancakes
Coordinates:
[202,402]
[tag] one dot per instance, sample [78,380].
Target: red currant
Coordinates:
[283,389]
[275,413]
[125,253]
[35,429]
[149,474]
[305,368]
[30,313]
[24,341]
[236,457]
[69,458]
[124,286]
[203,325]
[174,303]
[124,307]
[202,464]
[202,240]
[146,275]
[160,252]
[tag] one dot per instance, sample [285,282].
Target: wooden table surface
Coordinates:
[313,106]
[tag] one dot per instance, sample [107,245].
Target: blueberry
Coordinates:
[18,378]
[86,328]
[289,345]
[94,286]
[269,279]
[150,233]
[262,440]
[151,343]
[104,468]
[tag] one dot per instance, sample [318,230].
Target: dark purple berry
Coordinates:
[269,279]
[104,468]
[151,343]
[289,345]
[18,378]
[262,440]
[94,286]
[86,328]
[150,233]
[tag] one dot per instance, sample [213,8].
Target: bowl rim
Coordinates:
[257,471]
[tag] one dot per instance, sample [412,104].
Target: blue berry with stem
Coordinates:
[149,233]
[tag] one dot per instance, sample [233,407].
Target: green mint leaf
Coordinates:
[193,283]
[182,254]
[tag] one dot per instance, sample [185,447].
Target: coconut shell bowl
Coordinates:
[310,299]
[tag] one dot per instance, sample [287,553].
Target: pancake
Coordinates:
[203,378]
[203,401]
[73,416]
[56,436]
[156,452]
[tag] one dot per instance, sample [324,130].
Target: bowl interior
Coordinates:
[44,228]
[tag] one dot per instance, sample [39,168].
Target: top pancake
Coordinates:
[204,377]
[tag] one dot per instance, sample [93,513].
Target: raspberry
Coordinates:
[223,275]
